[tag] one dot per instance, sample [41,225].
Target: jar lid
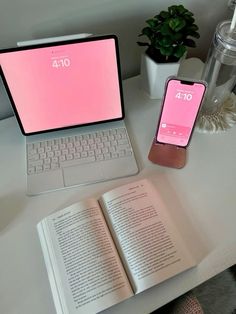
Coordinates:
[225,37]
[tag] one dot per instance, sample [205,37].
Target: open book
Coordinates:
[101,252]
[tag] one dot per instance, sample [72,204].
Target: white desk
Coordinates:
[201,196]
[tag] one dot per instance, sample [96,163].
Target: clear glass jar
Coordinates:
[220,68]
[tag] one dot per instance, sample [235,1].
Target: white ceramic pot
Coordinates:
[154,75]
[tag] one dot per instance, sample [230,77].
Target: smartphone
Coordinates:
[181,104]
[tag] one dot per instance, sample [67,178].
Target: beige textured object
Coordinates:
[187,304]
[221,120]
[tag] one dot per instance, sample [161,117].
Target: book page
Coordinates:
[84,268]
[151,248]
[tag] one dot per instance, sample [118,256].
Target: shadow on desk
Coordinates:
[11,206]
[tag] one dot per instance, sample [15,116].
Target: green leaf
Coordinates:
[151,23]
[193,27]
[147,32]
[172,9]
[190,43]
[165,29]
[165,42]
[188,13]
[142,44]
[181,9]
[166,51]
[177,24]
[158,27]
[156,44]
[189,19]
[178,36]
[179,51]
[164,14]
[193,34]
[157,17]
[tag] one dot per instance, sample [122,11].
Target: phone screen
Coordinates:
[181,104]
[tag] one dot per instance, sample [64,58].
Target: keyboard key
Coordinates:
[34,157]
[99,157]
[123,141]
[93,146]
[46,167]
[79,149]
[111,138]
[62,158]
[84,154]
[32,152]
[43,156]
[98,151]
[57,153]
[121,153]
[69,157]
[55,147]
[111,149]
[54,166]
[105,150]
[50,154]
[39,169]
[123,147]
[114,143]
[104,139]
[91,153]
[31,170]
[65,152]
[128,153]
[47,161]
[77,143]
[62,146]
[114,155]
[76,155]
[71,151]
[91,141]
[70,145]
[41,150]
[107,156]
[55,159]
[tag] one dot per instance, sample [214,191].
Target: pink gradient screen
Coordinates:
[179,112]
[64,85]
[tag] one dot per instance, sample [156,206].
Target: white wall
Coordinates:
[30,19]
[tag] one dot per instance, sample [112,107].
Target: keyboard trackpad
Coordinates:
[82,174]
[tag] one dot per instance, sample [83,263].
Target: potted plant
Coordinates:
[169,34]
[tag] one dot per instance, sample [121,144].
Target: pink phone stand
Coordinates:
[168,155]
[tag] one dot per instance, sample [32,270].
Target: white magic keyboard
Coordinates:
[74,150]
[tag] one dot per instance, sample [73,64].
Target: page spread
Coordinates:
[150,245]
[99,253]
